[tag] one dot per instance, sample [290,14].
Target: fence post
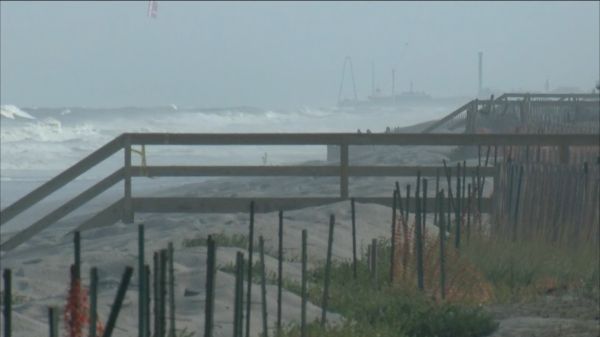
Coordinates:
[458,208]
[142,283]
[303,332]
[424,210]
[516,215]
[116,307]
[210,287]
[52,321]
[263,286]
[147,300]
[564,154]
[353,237]
[7,275]
[93,301]
[374,263]
[238,308]
[171,257]
[250,253]
[327,271]
[469,213]
[407,202]
[393,237]
[163,292]
[418,236]
[344,171]
[442,239]
[127,216]
[280,272]
[437,190]
[77,249]
[156,294]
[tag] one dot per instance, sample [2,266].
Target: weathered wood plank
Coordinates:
[439,139]
[262,205]
[60,180]
[63,210]
[291,171]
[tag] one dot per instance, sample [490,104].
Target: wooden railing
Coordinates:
[125,208]
[522,101]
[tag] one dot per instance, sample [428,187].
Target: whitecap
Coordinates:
[12,111]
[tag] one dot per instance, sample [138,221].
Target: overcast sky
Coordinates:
[107,54]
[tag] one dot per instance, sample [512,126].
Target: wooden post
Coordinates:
[393,236]
[209,304]
[142,283]
[279,272]
[458,208]
[93,301]
[374,263]
[238,308]
[442,239]
[147,317]
[418,235]
[437,190]
[7,276]
[116,307]
[303,331]
[163,292]
[77,249]
[171,258]
[516,214]
[424,210]
[353,207]
[127,202]
[327,271]
[469,200]
[52,322]
[156,294]
[263,286]
[407,202]
[344,171]
[564,154]
[250,253]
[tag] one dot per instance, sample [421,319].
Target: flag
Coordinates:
[152,8]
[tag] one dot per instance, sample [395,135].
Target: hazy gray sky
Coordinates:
[286,54]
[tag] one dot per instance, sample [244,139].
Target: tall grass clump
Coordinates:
[388,309]
[523,269]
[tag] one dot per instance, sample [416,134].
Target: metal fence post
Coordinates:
[279,272]
[142,283]
[393,235]
[303,332]
[7,275]
[171,267]
[263,286]
[210,288]
[327,271]
[353,208]
[53,321]
[116,307]
[250,254]
[93,301]
[238,308]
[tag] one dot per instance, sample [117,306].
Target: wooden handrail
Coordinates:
[61,180]
[129,205]
[438,139]
[294,171]
[63,210]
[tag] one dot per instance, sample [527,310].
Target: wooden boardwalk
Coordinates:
[125,208]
